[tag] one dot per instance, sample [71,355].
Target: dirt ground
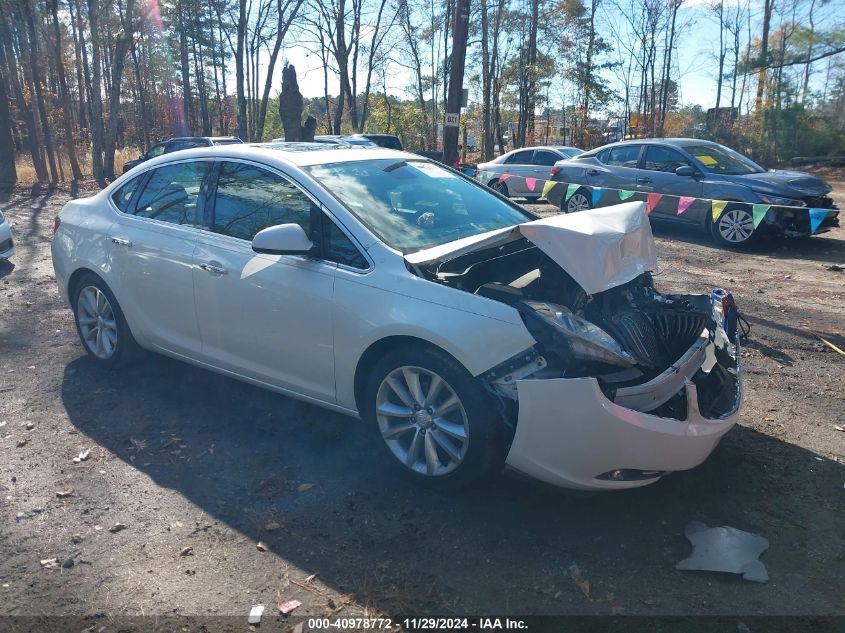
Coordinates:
[200,469]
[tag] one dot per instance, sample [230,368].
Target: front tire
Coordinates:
[436,421]
[100,324]
[499,186]
[735,227]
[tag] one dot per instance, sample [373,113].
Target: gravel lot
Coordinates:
[200,469]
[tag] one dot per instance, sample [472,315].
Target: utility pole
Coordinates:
[456,82]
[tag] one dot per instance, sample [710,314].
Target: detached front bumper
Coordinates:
[570,434]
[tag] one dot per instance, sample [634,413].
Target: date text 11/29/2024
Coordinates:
[418,624]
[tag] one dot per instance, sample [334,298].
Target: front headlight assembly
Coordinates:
[586,340]
[786,202]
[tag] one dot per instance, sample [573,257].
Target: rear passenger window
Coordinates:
[250,199]
[172,194]
[122,195]
[622,156]
[545,158]
[337,247]
[520,158]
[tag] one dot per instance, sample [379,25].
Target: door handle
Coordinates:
[121,241]
[214,270]
[593,172]
[643,181]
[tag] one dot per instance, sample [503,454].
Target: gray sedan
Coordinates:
[703,170]
[531,166]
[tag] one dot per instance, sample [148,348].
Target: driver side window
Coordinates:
[658,158]
[250,199]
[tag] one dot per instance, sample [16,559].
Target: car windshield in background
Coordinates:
[412,205]
[721,160]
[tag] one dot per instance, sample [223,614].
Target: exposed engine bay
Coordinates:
[642,346]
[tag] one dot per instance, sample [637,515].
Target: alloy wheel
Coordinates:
[502,188]
[578,202]
[736,225]
[422,420]
[97,322]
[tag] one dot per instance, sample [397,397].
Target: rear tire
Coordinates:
[437,423]
[578,201]
[735,227]
[100,324]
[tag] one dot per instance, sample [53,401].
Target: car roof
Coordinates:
[294,154]
[664,141]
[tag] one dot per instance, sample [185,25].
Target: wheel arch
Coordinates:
[378,349]
[74,279]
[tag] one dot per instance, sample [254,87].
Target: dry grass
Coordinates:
[26,170]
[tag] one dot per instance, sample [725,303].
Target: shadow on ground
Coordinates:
[251,456]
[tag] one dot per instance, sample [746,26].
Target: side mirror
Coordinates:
[686,170]
[282,239]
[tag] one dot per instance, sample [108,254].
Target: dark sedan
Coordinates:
[179,143]
[680,170]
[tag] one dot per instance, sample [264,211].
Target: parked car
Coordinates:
[387,141]
[176,144]
[699,169]
[530,162]
[7,243]
[344,139]
[389,287]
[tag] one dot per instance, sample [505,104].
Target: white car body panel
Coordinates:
[599,248]
[6,234]
[301,326]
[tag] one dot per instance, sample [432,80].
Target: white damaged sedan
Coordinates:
[391,288]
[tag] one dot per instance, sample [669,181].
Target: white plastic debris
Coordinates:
[725,549]
[255,614]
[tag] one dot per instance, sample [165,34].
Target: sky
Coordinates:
[696,56]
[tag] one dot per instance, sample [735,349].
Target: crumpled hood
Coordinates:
[787,184]
[599,248]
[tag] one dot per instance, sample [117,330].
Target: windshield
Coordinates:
[415,204]
[721,160]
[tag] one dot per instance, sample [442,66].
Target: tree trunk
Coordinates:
[185,69]
[486,130]
[243,129]
[531,87]
[764,56]
[456,78]
[96,94]
[70,143]
[8,170]
[120,51]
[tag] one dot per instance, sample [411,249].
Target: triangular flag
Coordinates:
[624,194]
[683,203]
[550,184]
[531,183]
[817,216]
[570,189]
[504,177]
[653,199]
[759,212]
[597,191]
[717,207]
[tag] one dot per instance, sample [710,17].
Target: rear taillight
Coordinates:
[553,172]
[56,223]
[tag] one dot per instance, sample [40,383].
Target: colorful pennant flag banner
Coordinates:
[717,208]
[653,199]
[683,203]
[758,212]
[550,184]
[817,216]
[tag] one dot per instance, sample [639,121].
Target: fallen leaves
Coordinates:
[577,577]
[262,546]
[117,527]
[49,563]
[305,487]
[187,551]
[64,494]
[272,526]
